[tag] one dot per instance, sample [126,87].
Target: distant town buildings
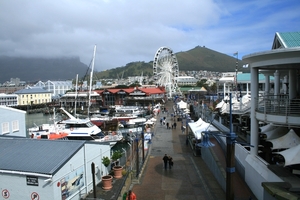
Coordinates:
[57,88]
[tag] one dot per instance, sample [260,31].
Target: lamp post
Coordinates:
[143,147]
[236,68]
[137,157]
[230,159]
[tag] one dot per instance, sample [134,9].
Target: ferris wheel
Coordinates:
[165,70]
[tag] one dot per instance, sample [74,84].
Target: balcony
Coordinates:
[278,109]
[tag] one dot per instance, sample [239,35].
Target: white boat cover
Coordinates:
[291,155]
[149,122]
[276,133]
[289,140]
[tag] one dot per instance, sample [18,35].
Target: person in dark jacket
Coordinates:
[165,159]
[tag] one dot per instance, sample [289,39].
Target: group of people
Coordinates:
[168,160]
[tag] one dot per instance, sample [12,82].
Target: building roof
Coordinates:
[6,108]
[246,77]
[32,90]
[286,40]
[148,90]
[36,156]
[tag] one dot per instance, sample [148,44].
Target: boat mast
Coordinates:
[91,80]
[76,95]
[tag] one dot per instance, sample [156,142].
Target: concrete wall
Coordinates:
[257,172]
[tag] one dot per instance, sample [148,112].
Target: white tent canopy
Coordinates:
[199,122]
[289,140]
[182,105]
[291,155]
[276,133]
[200,126]
[267,127]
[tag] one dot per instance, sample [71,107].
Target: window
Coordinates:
[5,127]
[15,125]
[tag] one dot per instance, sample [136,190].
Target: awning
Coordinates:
[197,130]
[291,155]
[289,140]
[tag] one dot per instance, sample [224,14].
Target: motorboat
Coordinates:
[74,129]
[84,129]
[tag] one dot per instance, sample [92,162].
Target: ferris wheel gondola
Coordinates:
[166,69]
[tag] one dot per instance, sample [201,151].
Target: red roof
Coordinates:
[148,91]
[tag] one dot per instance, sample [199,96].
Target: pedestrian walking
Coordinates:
[167,125]
[170,162]
[182,129]
[161,120]
[175,125]
[131,195]
[165,159]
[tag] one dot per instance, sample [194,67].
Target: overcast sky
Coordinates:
[133,30]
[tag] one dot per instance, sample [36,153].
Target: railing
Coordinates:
[278,105]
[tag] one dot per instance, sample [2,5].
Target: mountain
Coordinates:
[44,69]
[198,58]
[55,69]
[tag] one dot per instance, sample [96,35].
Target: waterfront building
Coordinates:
[80,99]
[279,106]
[57,88]
[186,80]
[12,122]
[33,95]
[50,169]
[269,129]
[8,99]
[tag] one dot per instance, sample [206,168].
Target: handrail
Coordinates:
[278,105]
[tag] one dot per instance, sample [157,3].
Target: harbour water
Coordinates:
[37,119]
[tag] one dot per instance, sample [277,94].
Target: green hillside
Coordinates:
[198,58]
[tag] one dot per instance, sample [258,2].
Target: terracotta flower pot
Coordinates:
[118,171]
[107,182]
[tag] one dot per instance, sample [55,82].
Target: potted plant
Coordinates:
[107,179]
[117,169]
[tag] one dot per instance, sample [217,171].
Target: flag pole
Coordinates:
[236,69]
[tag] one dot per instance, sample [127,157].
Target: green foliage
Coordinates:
[105,161]
[116,155]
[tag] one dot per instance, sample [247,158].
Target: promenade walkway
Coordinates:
[189,179]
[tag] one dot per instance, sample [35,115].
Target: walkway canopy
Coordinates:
[198,127]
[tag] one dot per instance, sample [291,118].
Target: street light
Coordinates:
[230,160]
[236,68]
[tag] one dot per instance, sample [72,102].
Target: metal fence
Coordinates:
[278,105]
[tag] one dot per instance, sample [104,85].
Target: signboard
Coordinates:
[32,180]
[5,194]
[35,196]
